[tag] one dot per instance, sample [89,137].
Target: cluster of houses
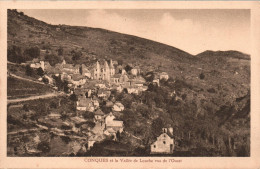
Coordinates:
[94,84]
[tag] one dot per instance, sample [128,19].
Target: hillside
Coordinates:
[211,84]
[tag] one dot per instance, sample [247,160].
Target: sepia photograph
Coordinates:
[128,82]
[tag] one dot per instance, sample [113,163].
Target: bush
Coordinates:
[211,90]
[29,71]
[40,72]
[33,52]
[14,54]
[88,115]
[44,147]
[201,76]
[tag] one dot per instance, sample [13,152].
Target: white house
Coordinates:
[84,104]
[99,114]
[164,143]
[116,125]
[164,75]
[118,107]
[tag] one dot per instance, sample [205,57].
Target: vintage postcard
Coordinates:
[129,84]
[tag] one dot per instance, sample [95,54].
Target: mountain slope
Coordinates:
[226,74]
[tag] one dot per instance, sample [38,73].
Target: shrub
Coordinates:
[211,90]
[202,76]
[32,52]
[40,72]
[44,147]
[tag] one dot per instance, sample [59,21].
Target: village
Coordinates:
[91,88]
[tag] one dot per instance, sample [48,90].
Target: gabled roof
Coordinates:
[68,66]
[163,73]
[115,123]
[119,104]
[99,112]
[117,76]
[77,77]
[84,102]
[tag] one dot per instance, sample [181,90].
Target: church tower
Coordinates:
[97,71]
[106,72]
[112,68]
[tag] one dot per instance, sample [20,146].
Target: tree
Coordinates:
[45,80]
[73,97]
[40,72]
[28,70]
[14,54]
[120,62]
[157,126]
[26,107]
[53,59]
[88,115]
[60,51]
[202,76]
[149,76]
[128,68]
[32,52]
[44,147]
[76,55]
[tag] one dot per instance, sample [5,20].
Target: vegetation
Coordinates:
[20,88]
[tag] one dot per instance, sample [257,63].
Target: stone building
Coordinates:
[103,71]
[164,143]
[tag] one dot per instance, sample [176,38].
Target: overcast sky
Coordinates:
[192,30]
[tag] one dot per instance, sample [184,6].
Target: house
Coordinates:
[156,81]
[118,106]
[110,122]
[95,102]
[135,71]
[78,79]
[115,79]
[85,104]
[54,116]
[131,90]
[164,75]
[103,93]
[99,114]
[164,143]
[50,80]
[123,78]
[84,71]
[65,76]
[109,104]
[54,71]
[100,85]
[111,132]
[69,68]
[36,63]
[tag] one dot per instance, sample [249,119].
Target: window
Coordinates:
[164,142]
[154,146]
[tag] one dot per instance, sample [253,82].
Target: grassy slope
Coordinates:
[20,88]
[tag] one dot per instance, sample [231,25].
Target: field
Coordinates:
[18,88]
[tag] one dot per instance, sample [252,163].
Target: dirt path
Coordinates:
[48,95]
[22,78]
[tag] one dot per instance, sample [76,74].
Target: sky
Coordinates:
[191,30]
